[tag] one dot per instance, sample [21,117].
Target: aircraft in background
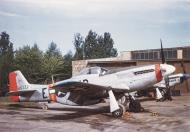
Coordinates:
[163,88]
[175,79]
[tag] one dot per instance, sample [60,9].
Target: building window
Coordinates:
[146,55]
[155,57]
[142,56]
[151,55]
[155,54]
[186,53]
[170,54]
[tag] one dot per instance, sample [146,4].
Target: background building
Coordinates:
[174,56]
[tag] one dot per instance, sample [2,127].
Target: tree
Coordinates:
[53,62]
[91,46]
[78,44]
[29,61]
[106,44]
[53,50]
[68,58]
[94,46]
[6,59]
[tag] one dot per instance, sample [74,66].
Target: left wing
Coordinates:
[69,85]
[20,93]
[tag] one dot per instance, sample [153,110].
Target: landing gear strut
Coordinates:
[166,93]
[122,103]
[134,105]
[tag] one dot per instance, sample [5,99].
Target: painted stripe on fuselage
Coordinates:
[158,72]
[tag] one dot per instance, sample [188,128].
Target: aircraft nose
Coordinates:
[167,69]
[186,76]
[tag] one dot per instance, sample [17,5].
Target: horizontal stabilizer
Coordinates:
[20,93]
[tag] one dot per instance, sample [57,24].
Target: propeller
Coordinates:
[186,76]
[166,78]
[162,53]
[183,67]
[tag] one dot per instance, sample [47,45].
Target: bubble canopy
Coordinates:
[93,70]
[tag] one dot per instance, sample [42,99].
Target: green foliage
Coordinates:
[78,43]
[6,60]
[53,50]
[68,58]
[91,46]
[29,61]
[94,46]
[53,62]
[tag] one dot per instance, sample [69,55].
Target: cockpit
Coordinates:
[93,70]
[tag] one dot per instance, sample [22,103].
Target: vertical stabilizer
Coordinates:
[17,82]
[22,83]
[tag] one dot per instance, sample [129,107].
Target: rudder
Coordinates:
[17,82]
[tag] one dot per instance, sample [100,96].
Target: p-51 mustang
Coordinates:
[173,80]
[91,86]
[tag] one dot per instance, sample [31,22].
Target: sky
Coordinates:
[133,24]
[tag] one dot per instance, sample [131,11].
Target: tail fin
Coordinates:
[17,82]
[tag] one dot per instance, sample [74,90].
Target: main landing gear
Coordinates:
[127,103]
[134,105]
[120,112]
[166,95]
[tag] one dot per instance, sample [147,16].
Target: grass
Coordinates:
[4,99]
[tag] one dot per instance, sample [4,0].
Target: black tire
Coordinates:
[119,113]
[45,107]
[135,106]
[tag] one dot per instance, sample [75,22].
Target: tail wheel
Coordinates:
[135,106]
[45,107]
[119,113]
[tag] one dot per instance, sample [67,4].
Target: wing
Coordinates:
[70,85]
[20,93]
[86,89]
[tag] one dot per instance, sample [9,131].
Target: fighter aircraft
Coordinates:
[175,79]
[22,91]
[91,86]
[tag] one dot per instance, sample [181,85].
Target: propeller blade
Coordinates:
[168,89]
[183,67]
[186,76]
[166,79]
[162,53]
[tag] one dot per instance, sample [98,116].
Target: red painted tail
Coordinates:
[13,86]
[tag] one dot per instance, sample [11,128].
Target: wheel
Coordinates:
[123,101]
[135,106]
[119,113]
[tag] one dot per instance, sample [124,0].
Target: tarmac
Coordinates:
[171,116]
